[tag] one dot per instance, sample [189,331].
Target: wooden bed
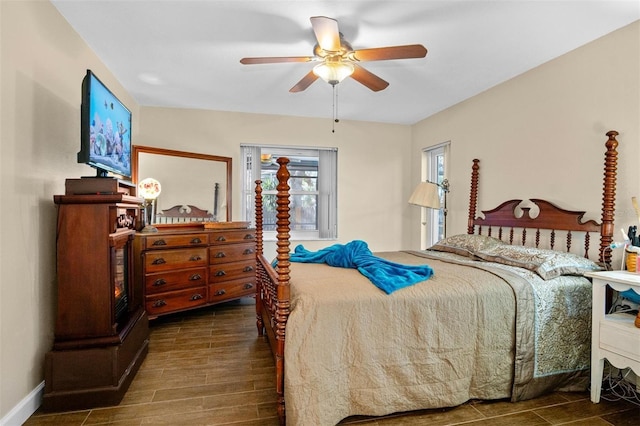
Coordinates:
[279,289]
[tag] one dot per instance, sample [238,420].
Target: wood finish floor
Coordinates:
[209,367]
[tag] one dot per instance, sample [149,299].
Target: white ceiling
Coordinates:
[186,54]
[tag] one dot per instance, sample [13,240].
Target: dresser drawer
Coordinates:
[175,300]
[232,271]
[178,266]
[231,253]
[175,280]
[232,236]
[620,337]
[163,260]
[232,289]
[176,240]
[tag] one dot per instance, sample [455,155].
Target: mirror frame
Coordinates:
[137,149]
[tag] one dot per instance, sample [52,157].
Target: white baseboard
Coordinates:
[25,408]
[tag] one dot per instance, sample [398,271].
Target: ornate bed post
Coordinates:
[282,269]
[259,223]
[259,252]
[608,197]
[473,195]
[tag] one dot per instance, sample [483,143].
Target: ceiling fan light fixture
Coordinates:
[333,72]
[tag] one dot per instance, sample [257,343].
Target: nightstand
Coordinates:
[614,336]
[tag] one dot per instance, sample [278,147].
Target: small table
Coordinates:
[614,336]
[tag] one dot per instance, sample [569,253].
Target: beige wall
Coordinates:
[542,134]
[563,107]
[43,62]
[373,162]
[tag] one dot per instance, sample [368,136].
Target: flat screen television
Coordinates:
[105,130]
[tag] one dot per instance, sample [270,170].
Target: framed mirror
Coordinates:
[186,179]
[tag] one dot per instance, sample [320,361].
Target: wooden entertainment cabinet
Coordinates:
[101,330]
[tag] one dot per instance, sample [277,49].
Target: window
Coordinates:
[434,160]
[313,192]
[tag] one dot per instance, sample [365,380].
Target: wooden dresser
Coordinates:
[187,267]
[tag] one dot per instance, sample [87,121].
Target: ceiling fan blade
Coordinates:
[304,82]
[327,33]
[368,79]
[392,52]
[276,59]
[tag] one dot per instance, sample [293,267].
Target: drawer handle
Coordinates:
[159,282]
[195,277]
[196,296]
[247,269]
[249,237]
[220,254]
[248,251]
[221,292]
[196,240]
[195,258]
[159,303]
[248,286]
[221,238]
[159,243]
[158,261]
[221,274]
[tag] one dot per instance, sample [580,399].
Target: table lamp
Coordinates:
[149,189]
[427,194]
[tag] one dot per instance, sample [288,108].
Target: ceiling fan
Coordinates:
[338,60]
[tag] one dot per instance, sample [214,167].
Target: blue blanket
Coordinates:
[386,275]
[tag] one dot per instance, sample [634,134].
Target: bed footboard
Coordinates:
[272,284]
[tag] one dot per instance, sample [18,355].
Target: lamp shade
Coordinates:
[426,194]
[149,189]
[333,72]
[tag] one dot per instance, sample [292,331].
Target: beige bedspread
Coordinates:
[352,349]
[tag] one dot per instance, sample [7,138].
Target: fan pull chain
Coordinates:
[335,109]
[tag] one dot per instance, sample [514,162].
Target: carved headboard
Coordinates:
[551,217]
[183,214]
